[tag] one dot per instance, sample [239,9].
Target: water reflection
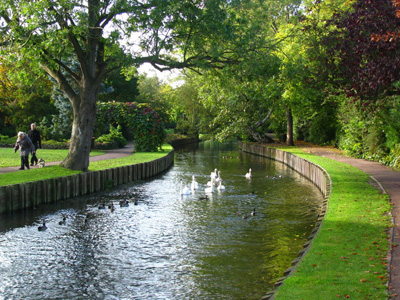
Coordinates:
[168,246]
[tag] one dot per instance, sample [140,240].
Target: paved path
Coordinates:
[390,180]
[110,154]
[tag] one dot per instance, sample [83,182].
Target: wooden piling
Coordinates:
[31,194]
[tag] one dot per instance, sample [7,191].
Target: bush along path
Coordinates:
[110,154]
[355,249]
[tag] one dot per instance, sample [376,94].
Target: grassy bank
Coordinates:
[57,171]
[8,158]
[348,258]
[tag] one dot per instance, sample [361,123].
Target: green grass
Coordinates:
[136,158]
[8,158]
[57,171]
[35,175]
[347,259]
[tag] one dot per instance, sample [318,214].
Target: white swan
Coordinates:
[220,186]
[195,184]
[214,174]
[212,180]
[184,190]
[248,175]
[218,179]
[210,189]
[209,183]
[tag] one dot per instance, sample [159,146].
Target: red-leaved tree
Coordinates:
[367,45]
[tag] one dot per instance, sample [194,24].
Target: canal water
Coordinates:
[165,245]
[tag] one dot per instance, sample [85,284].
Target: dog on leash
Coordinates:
[41,163]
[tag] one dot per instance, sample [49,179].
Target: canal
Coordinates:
[165,245]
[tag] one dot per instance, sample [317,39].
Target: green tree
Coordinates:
[304,78]
[49,35]
[152,91]
[186,109]
[22,104]
[241,99]
[120,88]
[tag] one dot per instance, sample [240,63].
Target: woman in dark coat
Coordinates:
[25,146]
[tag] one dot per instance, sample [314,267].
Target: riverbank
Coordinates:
[53,184]
[389,180]
[349,257]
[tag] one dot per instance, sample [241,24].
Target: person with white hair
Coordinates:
[25,146]
[34,135]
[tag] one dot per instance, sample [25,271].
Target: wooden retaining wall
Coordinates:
[26,195]
[183,142]
[315,174]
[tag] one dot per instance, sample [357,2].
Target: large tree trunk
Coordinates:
[289,131]
[84,109]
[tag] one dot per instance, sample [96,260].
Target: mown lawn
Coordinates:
[8,158]
[57,171]
[348,258]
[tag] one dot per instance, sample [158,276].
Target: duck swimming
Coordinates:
[43,227]
[62,222]
[124,203]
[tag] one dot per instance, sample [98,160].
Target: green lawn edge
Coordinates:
[348,257]
[8,158]
[49,172]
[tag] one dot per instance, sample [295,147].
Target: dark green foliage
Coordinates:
[320,128]
[138,120]
[122,89]
[371,135]
[4,139]
[45,127]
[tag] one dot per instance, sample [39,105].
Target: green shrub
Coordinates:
[135,119]
[7,140]
[371,133]
[393,159]
[52,144]
[115,135]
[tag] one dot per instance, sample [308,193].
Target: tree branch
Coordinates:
[61,80]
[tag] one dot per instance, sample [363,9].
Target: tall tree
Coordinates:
[22,104]
[367,49]
[302,77]
[52,35]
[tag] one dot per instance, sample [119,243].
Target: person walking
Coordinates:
[34,135]
[25,146]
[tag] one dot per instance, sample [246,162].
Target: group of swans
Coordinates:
[215,182]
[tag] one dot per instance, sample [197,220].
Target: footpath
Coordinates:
[110,154]
[390,181]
